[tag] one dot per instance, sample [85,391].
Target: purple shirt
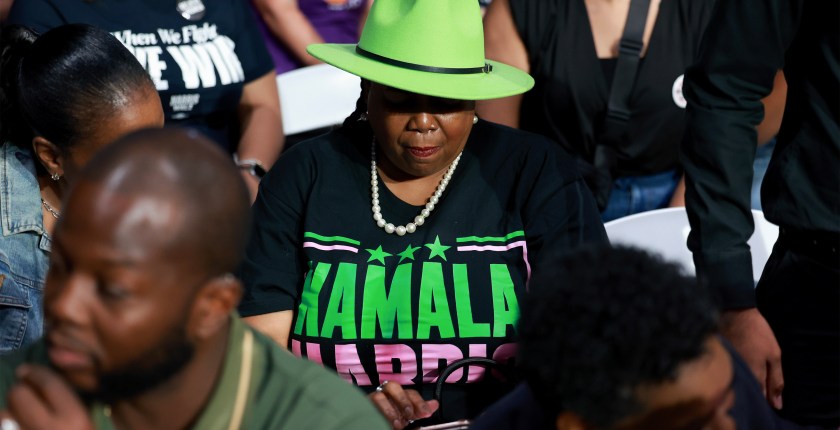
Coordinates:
[337,21]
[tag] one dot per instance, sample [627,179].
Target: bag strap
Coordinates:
[618,109]
[488,363]
[627,66]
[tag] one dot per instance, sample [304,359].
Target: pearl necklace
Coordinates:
[424,213]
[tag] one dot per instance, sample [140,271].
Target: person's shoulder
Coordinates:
[528,150]
[7,149]
[35,353]
[18,188]
[13,152]
[309,396]
[324,151]
[322,148]
[9,361]
[495,135]
[39,15]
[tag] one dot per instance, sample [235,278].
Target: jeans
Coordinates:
[634,194]
[762,160]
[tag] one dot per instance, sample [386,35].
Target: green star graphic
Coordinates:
[408,253]
[437,249]
[378,254]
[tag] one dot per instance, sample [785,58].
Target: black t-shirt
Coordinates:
[377,306]
[199,67]
[569,100]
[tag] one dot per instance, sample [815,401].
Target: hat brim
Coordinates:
[502,81]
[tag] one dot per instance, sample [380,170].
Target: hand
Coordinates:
[400,407]
[752,337]
[41,400]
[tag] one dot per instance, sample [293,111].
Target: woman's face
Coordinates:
[143,111]
[418,135]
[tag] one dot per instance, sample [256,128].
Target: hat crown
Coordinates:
[432,33]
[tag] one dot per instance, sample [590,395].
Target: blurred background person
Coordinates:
[289,26]
[788,327]
[63,96]
[207,60]
[571,47]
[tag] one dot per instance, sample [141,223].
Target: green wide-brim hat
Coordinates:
[431,47]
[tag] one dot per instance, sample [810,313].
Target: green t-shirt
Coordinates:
[283,391]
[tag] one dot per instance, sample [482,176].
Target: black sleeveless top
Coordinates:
[569,101]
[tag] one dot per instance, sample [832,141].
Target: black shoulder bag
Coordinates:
[618,110]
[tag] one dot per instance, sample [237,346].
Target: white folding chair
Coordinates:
[665,231]
[316,97]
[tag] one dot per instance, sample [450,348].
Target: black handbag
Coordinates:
[505,384]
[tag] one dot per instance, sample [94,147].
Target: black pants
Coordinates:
[799,295]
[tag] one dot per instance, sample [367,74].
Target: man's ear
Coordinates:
[49,155]
[570,421]
[213,305]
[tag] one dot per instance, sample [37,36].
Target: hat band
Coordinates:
[487,68]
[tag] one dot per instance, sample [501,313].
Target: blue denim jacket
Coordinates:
[24,250]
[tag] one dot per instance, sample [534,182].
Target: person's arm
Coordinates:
[276,325]
[502,43]
[364,15]
[743,48]
[5,6]
[290,26]
[274,267]
[261,125]
[774,109]
[678,198]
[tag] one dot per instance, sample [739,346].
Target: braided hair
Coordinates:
[356,126]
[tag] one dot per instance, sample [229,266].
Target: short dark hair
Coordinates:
[603,321]
[183,166]
[60,84]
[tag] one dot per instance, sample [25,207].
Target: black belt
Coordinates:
[819,243]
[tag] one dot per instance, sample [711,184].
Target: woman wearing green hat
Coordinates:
[404,240]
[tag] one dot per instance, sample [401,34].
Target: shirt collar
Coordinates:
[20,204]
[229,398]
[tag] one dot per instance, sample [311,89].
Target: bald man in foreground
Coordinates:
[139,306]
